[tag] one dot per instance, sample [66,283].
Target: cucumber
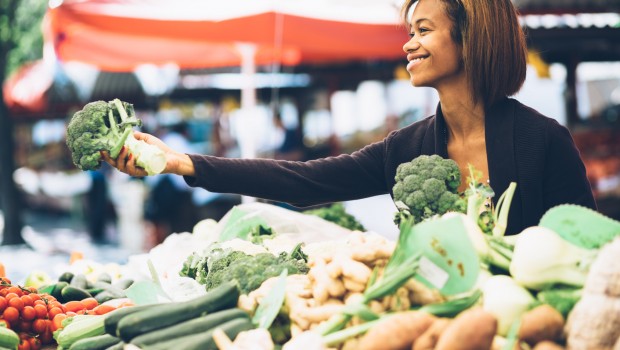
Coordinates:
[8,338]
[193,326]
[117,346]
[104,277]
[66,277]
[223,297]
[58,287]
[79,281]
[104,296]
[204,340]
[111,320]
[123,283]
[100,342]
[70,293]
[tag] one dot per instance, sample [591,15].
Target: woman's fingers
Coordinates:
[132,169]
[121,160]
[106,157]
[125,162]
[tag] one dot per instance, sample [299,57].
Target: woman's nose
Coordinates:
[411,45]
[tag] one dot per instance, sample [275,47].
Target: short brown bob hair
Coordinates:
[493,44]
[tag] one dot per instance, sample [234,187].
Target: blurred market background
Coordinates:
[289,79]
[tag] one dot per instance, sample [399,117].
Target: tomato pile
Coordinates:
[35,316]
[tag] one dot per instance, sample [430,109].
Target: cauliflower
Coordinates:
[428,186]
[108,126]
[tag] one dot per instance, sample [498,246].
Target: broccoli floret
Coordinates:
[337,214]
[108,126]
[250,271]
[428,186]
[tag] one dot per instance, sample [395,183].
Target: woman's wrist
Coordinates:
[184,165]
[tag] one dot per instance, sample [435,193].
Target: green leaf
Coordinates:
[239,225]
[147,292]
[270,306]
[513,336]
[47,289]
[581,226]
[362,311]
[453,306]
[449,262]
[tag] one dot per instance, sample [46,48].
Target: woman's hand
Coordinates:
[176,163]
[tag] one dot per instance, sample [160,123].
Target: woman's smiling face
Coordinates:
[434,58]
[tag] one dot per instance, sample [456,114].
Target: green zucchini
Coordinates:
[79,281]
[111,319]
[100,342]
[8,338]
[58,287]
[104,277]
[70,293]
[223,297]
[204,340]
[123,284]
[193,326]
[117,346]
[66,277]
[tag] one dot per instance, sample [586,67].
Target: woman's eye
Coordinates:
[422,30]
[411,35]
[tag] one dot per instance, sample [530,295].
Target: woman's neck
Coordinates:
[464,118]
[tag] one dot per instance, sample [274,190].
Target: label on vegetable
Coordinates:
[434,274]
[581,226]
[444,242]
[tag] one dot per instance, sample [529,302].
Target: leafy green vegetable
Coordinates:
[259,233]
[270,306]
[336,213]
[581,226]
[250,271]
[108,126]
[561,299]
[244,225]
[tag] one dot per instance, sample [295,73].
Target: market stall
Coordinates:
[265,277]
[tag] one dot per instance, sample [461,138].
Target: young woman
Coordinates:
[474,54]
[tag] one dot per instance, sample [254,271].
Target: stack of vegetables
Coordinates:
[185,325]
[29,317]
[453,280]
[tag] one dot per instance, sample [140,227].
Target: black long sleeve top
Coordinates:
[522,146]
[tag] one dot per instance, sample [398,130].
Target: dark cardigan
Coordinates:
[522,146]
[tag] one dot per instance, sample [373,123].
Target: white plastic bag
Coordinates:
[296,226]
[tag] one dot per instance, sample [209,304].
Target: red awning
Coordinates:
[117,35]
[26,90]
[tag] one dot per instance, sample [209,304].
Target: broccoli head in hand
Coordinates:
[108,126]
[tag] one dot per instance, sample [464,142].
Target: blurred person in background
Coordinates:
[99,210]
[169,207]
[474,55]
[292,146]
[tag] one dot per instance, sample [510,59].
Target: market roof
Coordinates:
[567,6]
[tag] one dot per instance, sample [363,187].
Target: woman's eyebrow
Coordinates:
[420,20]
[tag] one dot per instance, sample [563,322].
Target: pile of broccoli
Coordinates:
[108,126]
[427,186]
[336,213]
[250,271]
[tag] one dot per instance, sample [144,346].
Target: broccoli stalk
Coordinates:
[108,126]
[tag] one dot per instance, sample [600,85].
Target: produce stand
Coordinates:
[304,280]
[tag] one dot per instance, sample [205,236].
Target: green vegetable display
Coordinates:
[250,271]
[108,126]
[336,213]
[428,186]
